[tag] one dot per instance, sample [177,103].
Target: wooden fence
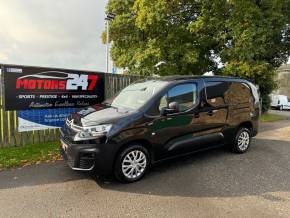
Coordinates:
[10,137]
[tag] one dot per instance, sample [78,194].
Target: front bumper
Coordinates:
[79,157]
[87,157]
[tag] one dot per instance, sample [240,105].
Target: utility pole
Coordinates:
[110,17]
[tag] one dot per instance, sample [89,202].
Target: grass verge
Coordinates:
[29,154]
[272,117]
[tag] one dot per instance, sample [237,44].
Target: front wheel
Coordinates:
[131,163]
[242,140]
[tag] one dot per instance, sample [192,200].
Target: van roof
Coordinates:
[207,78]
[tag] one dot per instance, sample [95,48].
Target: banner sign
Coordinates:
[36,119]
[40,88]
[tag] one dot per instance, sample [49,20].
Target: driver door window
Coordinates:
[185,95]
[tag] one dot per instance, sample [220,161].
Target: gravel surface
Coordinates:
[214,183]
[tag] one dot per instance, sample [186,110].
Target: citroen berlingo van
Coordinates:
[157,119]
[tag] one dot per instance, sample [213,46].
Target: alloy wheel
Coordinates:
[134,164]
[243,140]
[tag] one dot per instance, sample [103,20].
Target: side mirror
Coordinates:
[173,107]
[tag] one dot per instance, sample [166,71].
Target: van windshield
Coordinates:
[138,94]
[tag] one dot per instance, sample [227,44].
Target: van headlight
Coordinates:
[92,132]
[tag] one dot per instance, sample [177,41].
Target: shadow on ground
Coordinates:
[57,172]
[214,173]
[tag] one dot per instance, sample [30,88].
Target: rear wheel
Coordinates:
[131,163]
[242,140]
[281,108]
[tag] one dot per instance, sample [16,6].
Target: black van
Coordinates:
[157,119]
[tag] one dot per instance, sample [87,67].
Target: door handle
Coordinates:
[211,112]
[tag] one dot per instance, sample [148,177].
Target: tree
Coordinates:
[257,42]
[246,38]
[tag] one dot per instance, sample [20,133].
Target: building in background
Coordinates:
[283,78]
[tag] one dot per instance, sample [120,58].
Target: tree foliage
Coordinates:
[246,38]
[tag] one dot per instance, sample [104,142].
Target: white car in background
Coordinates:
[281,102]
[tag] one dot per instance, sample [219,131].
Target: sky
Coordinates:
[53,33]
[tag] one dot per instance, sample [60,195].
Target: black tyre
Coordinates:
[131,163]
[281,108]
[242,140]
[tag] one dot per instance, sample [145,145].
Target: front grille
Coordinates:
[65,139]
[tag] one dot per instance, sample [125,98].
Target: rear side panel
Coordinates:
[243,103]
[240,102]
